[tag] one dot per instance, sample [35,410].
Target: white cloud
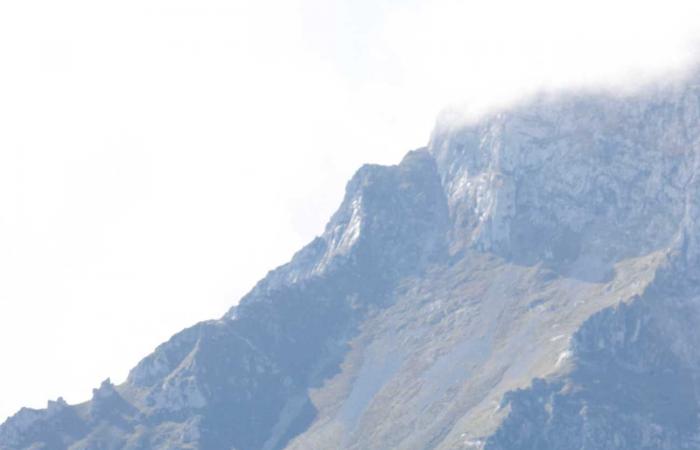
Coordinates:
[157,157]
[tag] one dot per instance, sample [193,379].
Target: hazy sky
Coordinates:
[157,157]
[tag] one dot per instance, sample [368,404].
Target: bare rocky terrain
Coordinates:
[526,281]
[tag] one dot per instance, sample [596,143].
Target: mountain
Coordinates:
[527,281]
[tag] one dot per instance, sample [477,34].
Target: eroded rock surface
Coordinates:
[528,281]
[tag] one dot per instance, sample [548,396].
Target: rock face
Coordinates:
[528,281]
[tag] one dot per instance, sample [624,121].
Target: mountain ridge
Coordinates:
[493,290]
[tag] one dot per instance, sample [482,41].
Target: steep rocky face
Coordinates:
[604,178]
[242,381]
[529,281]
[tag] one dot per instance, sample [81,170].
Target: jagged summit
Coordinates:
[526,281]
[379,211]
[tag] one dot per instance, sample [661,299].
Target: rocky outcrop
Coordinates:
[527,281]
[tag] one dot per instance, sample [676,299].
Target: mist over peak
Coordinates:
[527,279]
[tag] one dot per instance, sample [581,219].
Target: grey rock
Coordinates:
[528,281]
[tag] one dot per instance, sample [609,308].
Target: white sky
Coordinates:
[157,157]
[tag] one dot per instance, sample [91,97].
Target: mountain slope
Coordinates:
[527,281]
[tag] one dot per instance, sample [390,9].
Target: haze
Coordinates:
[158,157]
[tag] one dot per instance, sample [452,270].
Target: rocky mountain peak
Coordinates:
[528,280]
[602,177]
